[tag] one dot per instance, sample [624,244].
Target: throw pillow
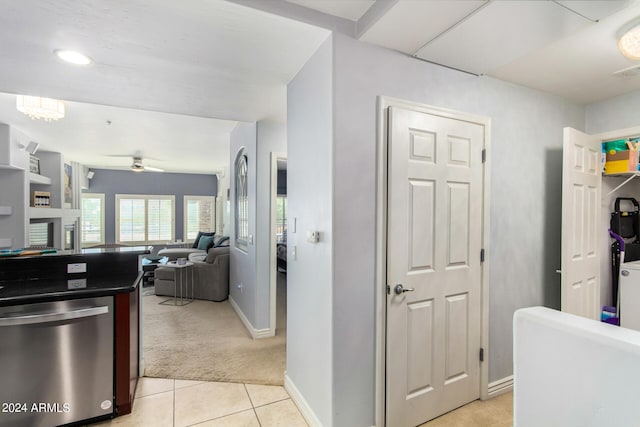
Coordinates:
[220,241]
[200,234]
[205,242]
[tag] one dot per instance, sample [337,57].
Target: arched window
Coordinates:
[241,201]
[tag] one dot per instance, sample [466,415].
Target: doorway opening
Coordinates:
[278,258]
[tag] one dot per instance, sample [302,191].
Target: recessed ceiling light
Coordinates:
[629,40]
[73,57]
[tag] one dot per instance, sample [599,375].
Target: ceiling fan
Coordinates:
[138,166]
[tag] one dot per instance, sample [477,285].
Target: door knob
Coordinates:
[399,289]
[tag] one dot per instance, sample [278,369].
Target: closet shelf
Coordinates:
[629,175]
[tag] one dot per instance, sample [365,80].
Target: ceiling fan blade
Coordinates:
[152,169]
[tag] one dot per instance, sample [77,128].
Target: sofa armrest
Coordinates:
[212,279]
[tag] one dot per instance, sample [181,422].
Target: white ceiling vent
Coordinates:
[629,72]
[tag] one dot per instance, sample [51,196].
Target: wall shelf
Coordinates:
[44,213]
[34,178]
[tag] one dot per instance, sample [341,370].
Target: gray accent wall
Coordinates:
[310,207]
[339,146]
[112,182]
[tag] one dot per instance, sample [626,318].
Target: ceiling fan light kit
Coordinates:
[35,107]
[138,166]
[629,40]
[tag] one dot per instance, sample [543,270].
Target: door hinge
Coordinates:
[484,155]
[481,255]
[481,354]
[388,290]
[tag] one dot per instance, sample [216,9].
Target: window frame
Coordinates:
[185,214]
[241,200]
[100,196]
[146,198]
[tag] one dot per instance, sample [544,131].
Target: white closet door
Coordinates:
[581,188]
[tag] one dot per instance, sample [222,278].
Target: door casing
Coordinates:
[384,103]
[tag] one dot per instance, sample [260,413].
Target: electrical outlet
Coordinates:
[80,267]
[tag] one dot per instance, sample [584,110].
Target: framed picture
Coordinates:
[34,164]
[68,190]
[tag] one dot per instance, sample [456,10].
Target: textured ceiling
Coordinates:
[229,61]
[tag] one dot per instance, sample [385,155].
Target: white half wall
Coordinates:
[573,371]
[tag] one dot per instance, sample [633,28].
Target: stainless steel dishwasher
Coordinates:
[56,362]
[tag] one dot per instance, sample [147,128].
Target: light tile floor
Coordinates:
[179,403]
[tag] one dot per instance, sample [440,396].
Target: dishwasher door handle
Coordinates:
[31,319]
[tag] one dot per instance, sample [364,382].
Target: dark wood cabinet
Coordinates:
[127,348]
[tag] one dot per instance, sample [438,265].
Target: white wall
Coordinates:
[309,196]
[612,114]
[250,268]
[526,144]
[242,263]
[272,138]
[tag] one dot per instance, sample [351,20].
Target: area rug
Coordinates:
[207,341]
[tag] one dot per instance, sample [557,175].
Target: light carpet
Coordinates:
[207,341]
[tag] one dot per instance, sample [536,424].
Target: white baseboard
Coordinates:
[297,398]
[501,386]
[255,333]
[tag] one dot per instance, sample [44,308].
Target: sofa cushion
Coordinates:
[200,234]
[175,253]
[199,257]
[205,242]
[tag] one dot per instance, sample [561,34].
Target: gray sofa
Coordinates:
[211,276]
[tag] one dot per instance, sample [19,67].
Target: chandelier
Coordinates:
[40,108]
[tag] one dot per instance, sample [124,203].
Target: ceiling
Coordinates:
[186,73]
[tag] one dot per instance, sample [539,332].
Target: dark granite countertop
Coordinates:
[31,279]
[42,290]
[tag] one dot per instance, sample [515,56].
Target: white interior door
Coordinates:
[434,238]
[581,183]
